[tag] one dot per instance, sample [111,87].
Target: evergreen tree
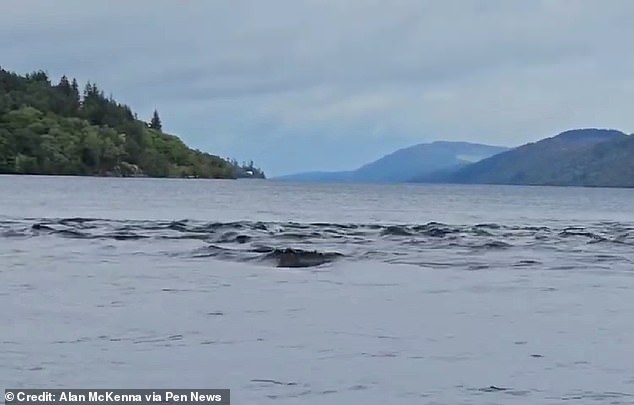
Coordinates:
[155,123]
[64,86]
[74,90]
[75,86]
[87,90]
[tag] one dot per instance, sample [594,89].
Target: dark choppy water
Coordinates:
[319,293]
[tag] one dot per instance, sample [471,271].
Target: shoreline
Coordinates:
[131,177]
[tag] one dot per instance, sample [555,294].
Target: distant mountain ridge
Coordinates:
[582,157]
[589,157]
[408,163]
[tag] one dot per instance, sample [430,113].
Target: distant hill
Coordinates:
[583,157]
[408,163]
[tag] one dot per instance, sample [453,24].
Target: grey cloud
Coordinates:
[242,76]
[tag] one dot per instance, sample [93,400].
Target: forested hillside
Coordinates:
[60,129]
[582,157]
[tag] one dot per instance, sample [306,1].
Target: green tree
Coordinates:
[64,86]
[155,123]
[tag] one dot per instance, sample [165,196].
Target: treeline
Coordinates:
[59,129]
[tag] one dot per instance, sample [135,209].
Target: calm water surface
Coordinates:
[425,295]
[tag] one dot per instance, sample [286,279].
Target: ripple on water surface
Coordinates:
[289,244]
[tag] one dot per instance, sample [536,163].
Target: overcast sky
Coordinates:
[300,85]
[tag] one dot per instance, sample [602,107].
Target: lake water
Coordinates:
[428,294]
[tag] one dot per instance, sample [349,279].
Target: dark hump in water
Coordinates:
[293,258]
[42,227]
[395,230]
